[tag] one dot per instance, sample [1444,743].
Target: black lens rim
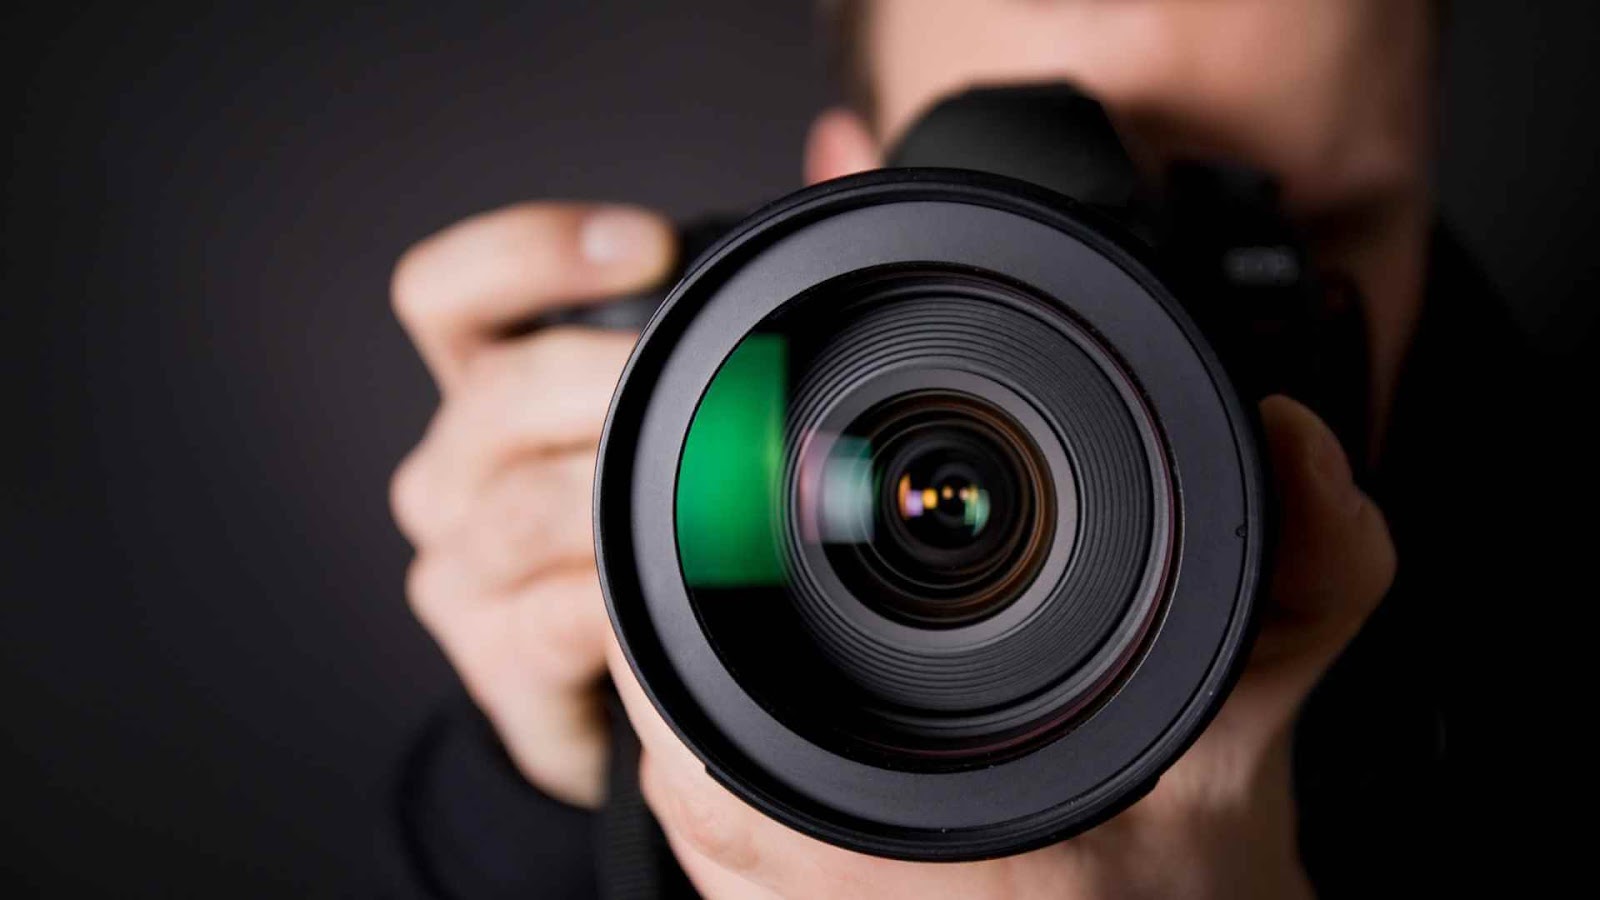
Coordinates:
[1064,252]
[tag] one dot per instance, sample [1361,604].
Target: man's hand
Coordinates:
[496,498]
[497,501]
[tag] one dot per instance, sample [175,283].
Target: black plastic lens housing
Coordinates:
[974,555]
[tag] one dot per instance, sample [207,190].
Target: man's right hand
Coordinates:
[496,497]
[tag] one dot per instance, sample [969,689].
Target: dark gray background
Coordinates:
[206,664]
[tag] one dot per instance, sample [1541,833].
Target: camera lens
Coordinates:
[927,519]
[936,508]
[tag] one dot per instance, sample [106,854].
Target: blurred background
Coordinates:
[207,668]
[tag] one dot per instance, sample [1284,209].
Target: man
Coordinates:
[1334,766]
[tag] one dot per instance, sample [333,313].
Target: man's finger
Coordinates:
[1334,561]
[532,518]
[459,290]
[541,393]
[694,809]
[530,659]
[552,630]
[539,396]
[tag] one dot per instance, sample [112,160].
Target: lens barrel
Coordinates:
[927,518]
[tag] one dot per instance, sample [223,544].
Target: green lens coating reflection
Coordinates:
[727,505]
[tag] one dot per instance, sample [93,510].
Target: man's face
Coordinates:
[1330,94]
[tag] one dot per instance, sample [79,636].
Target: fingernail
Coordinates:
[618,234]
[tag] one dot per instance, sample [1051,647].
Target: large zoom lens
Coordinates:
[928,520]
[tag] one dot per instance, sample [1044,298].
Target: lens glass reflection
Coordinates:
[932,507]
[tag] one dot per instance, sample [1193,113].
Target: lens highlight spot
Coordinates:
[967,504]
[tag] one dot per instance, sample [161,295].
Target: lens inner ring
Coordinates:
[867,618]
[1055,647]
[960,514]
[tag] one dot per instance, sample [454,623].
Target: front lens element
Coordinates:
[916,520]
[935,508]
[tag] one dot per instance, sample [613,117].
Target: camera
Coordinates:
[931,510]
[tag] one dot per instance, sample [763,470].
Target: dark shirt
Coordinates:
[1412,755]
